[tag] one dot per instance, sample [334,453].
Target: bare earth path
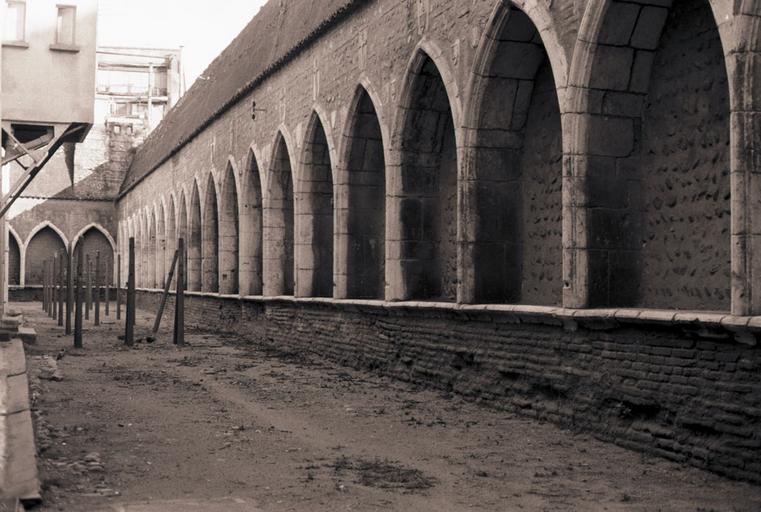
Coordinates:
[227,424]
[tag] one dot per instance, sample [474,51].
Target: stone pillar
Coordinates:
[741,47]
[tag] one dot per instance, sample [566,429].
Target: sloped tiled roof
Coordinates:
[279,31]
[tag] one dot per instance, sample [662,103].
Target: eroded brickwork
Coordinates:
[659,390]
[570,153]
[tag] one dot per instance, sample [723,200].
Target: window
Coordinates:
[65,28]
[15,21]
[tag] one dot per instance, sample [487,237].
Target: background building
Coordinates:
[48,86]
[133,89]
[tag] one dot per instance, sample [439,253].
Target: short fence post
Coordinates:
[69,289]
[129,331]
[61,286]
[45,286]
[88,287]
[118,286]
[108,286]
[97,287]
[79,291]
[53,288]
[179,300]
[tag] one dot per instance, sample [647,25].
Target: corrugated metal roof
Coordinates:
[278,32]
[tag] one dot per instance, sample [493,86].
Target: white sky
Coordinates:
[202,27]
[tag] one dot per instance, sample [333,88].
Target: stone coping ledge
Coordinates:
[743,329]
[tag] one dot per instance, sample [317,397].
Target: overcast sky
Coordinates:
[203,28]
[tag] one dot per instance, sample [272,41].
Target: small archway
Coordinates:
[251,230]
[366,224]
[315,241]
[656,159]
[210,239]
[229,240]
[428,202]
[515,168]
[278,223]
[96,242]
[44,243]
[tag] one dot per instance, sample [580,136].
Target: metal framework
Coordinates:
[39,151]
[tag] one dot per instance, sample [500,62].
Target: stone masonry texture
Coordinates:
[589,159]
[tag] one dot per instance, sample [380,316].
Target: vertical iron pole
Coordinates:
[129,331]
[69,289]
[108,285]
[88,285]
[118,286]
[61,287]
[48,266]
[179,302]
[45,286]
[53,288]
[97,287]
[79,292]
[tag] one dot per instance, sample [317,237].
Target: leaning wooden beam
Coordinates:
[165,295]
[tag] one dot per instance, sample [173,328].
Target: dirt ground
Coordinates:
[228,418]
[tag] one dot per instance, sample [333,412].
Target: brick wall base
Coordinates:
[685,391]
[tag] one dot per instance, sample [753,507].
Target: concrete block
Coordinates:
[27,335]
[14,394]
[20,458]
[12,361]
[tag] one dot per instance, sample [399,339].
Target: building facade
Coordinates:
[48,81]
[546,206]
[133,89]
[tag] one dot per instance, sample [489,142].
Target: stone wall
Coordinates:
[572,154]
[680,389]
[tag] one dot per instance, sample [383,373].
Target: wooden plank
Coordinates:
[165,295]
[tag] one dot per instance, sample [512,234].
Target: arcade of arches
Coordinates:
[495,198]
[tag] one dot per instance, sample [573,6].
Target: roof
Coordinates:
[280,30]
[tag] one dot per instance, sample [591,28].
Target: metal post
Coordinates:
[179,303]
[45,286]
[79,292]
[97,287]
[53,288]
[108,286]
[69,289]
[48,295]
[118,286]
[129,332]
[165,295]
[61,287]
[88,289]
